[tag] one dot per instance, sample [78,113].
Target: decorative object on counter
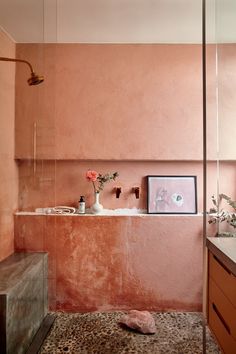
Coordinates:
[136,191]
[141,321]
[81,205]
[97,207]
[219,215]
[172,194]
[56,210]
[118,192]
[98,180]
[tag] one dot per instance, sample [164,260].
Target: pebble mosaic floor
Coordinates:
[100,333]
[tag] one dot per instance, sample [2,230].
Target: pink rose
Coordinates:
[91,175]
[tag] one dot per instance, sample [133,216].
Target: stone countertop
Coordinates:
[225,249]
[17,266]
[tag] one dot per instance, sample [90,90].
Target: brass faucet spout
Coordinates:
[118,192]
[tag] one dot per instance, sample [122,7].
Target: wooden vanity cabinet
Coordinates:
[222,303]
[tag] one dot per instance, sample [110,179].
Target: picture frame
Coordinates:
[171,194]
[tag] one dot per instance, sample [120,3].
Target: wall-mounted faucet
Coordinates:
[136,191]
[118,192]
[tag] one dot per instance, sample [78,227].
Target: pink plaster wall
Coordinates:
[50,183]
[119,95]
[227,101]
[62,182]
[136,109]
[121,262]
[111,101]
[225,82]
[8,175]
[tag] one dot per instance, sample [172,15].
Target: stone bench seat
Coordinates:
[23,300]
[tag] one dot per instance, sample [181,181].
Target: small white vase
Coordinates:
[96,207]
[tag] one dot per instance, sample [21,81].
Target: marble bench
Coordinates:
[23,300]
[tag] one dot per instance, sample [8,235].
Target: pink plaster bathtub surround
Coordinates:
[8,175]
[36,234]
[180,255]
[6,233]
[118,262]
[92,259]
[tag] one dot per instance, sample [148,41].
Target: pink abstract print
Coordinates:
[172,194]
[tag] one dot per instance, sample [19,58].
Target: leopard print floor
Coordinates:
[100,333]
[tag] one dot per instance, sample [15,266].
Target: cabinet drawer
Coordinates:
[226,341]
[224,308]
[225,280]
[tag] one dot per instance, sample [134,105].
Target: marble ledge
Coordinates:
[106,212]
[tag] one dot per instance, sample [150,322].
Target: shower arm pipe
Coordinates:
[34,79]
[18,60]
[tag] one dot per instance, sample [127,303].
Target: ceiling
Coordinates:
[113,21]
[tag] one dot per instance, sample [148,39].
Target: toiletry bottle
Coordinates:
[81,209]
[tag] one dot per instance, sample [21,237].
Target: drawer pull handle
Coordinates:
[221,318]
[222,265]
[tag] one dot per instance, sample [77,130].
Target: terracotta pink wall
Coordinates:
[8,175]
[225,81]
[120,102]
[135,109]
[224,112]
[118,262]
[227,101]
[49,183]
[123,93]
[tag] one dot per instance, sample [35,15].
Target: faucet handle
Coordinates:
[118,192]
[136,191]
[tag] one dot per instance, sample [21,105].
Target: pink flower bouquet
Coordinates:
[99,180]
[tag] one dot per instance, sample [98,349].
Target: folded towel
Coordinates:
[64,210]
[56,210]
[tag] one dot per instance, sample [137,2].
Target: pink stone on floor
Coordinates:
[141,321]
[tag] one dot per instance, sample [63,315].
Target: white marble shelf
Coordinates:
[107,212]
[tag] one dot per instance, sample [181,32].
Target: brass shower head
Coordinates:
[34,79]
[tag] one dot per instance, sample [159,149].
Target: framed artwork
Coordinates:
[172,194]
